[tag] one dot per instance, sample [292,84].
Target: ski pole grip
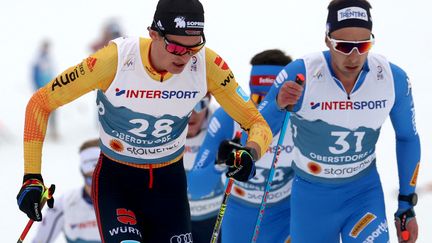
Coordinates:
[405,235]
[237,137]
[299,80]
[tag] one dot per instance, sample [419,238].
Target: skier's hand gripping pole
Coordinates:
[31,198]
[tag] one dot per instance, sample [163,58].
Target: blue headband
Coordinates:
[262,78]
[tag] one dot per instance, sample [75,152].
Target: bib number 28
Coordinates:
[161,127]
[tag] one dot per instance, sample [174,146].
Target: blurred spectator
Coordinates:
[42,73]
[5,134]
[110,31]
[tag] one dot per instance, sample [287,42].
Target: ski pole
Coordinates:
[299,79]
[46,195]
[222,209]
[229,184]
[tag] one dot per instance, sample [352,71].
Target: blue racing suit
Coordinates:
[243,205]
[337,192]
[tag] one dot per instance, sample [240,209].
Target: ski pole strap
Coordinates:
[48,193]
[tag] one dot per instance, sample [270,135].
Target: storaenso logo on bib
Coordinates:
[352,13]
[149,151]
[347,170]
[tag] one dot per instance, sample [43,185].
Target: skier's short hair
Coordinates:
[265,67]
[89,143]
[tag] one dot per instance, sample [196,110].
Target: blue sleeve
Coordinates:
[203,177]
[268,107]
[402,116]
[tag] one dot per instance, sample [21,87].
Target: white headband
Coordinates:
[89,158]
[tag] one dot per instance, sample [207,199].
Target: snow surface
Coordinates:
[236,30]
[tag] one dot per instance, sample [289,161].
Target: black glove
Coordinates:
[240,162]
[31,195]
[226,147]
[241,165]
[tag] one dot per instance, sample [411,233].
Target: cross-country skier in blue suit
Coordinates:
[348,94]
[243,205]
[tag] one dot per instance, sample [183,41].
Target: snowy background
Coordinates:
[236,30]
